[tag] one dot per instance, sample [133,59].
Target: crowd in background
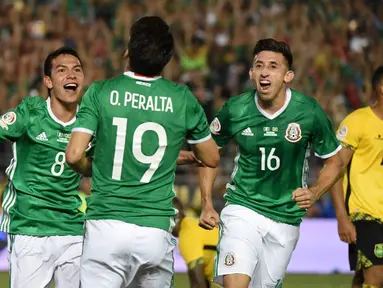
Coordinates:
[336,46]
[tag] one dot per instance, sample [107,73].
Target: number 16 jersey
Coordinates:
[41,198]
[272,151]
[141,124]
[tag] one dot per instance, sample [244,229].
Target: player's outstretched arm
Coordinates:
[207,152]
[330,173]
[346,229]
[209,218]
[75,153]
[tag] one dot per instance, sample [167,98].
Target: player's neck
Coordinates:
[274,105]
[64,113]
[377,108]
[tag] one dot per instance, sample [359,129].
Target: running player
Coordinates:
[361,199]
[274,127]
[141,121]
[41,201]
[197,247]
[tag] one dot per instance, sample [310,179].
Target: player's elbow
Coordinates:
[73,156]
[337,164]
[208,153]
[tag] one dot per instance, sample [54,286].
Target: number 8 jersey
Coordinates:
[41,198]
[272,151]
[141,124]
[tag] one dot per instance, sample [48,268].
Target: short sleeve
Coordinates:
[220,126]
[14,123]
[196,123]
[87,117]
[349,132]
[189,242]
[324,142]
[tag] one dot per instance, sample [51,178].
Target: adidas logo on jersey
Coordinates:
[247,132]
[42,137]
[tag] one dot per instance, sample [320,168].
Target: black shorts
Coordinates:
[368,250]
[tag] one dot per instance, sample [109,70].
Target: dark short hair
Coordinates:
[150,46]
[65,50]
[273,45]
[377,78]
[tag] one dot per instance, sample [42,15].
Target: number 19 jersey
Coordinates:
[41,198]
[141,124]
[272,151]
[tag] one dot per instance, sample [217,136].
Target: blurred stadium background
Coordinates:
[336,46]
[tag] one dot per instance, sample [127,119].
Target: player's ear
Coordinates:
[48,82]
[289,76]
[251,73]
[126,53]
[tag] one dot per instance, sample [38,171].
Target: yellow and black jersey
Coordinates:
[362,131]
[197,245]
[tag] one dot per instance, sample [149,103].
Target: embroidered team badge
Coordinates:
[378,250]
[293,132]
[342,132]
[215,126]
[3,125]
[9,118]
[229,259]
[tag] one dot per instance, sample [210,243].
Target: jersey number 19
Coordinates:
[154,160]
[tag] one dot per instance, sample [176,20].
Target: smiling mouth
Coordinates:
[70,87]
[264,84]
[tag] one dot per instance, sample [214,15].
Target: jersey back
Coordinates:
[273,151]
[141,124]
[41,197]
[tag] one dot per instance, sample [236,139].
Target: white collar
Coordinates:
[50,112]
[280,111]
[144,78]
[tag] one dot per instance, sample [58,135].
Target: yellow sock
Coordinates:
[369,286]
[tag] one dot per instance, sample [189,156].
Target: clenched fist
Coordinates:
[209,218]
[304,197]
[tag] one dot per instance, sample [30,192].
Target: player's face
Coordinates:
[269,74]
[66,80]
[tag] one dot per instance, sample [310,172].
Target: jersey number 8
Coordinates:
[154,160]
[58,167]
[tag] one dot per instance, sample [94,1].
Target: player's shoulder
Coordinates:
[302,99]
[358,115]
[175,86]
[34,103]
[240,100]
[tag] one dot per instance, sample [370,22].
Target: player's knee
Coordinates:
[236,281]
[373,276]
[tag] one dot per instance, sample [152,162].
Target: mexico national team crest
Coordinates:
[215,126]
[9,118]
[293,132]
[378,250]
[229,259]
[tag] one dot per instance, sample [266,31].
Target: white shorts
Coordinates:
[254,245]
[35,261]
[118,254]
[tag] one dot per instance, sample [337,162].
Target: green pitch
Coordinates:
[292,281]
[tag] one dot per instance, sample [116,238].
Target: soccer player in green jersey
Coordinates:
[274,128]
[141,121]
[41,201]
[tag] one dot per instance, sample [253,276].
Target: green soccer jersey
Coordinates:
[41,197]
[273,151]
[141,124]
